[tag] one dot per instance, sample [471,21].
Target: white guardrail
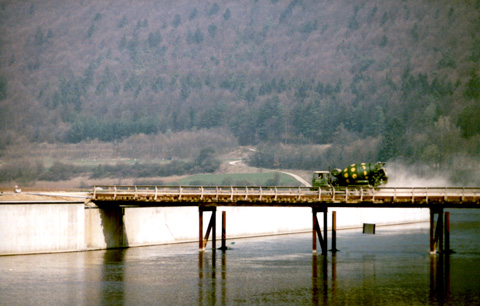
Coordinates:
[286,194]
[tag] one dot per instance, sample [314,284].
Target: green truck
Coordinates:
[355,175]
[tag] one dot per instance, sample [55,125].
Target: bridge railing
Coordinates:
[286,194]
[210,192]
[414,194]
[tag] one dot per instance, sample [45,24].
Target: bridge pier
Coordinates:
[202,241]
[224,231]
[436,230]
[447,233]
[439,231]
[334,232]
[316,230]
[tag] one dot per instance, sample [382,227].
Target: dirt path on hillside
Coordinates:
[237,165]
[298,178]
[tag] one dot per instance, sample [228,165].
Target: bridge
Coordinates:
[208,198]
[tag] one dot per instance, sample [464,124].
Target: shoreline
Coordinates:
[58,224]
[218,239]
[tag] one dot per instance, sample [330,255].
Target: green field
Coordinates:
[239,179]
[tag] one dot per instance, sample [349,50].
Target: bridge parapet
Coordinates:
[282,196]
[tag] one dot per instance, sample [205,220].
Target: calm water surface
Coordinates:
[392,267]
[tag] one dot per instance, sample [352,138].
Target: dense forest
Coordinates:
[309,84]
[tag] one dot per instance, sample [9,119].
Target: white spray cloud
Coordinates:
[402,175]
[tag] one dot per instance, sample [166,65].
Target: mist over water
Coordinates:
[392,267]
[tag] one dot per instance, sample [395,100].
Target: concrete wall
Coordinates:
[38,228]
[117,227]
[160,225]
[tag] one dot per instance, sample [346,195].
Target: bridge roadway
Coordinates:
[394,197]
[209,198]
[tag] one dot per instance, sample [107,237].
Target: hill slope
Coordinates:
[401,77]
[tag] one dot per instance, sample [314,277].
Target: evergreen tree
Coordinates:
[193,14]
[472,89]
[227,14]
[390,145]
[212,30]
[214,9]
[3,88]
[39,37]
[123,22]
[177,20]
[468,120]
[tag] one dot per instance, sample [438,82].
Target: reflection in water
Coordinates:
[356,275]
[392,267]
[320,281]
[324,289]
[224,277]
[334,278]
[440,277]
[207,288]
[113,275]
[207,279]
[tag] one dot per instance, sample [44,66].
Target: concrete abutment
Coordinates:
[29,228]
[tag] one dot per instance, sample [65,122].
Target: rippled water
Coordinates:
[392,267]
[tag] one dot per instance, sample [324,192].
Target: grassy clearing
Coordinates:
[239,179]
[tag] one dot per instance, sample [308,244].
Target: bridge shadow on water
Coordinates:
[440,278]
[113,275]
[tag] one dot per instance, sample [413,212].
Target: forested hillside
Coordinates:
[310,83]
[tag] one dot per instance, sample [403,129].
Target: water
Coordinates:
[392,267]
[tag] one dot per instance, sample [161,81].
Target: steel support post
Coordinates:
[325,237]
[211,227]
[214,230]
[447,233]
[439,231]
[224,230]
[334,232]
[433,231]
[200,229]
[436,231]
[316,230]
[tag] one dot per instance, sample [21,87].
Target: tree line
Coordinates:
[26,172]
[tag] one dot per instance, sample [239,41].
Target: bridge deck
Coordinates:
[446,197]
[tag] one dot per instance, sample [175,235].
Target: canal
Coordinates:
[392,267]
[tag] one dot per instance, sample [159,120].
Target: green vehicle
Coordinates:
[355,175]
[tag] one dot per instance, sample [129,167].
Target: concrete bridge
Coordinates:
[208,198]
